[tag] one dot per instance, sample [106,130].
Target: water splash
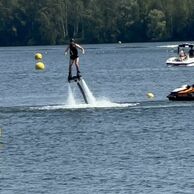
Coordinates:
[92,101]
[99,104]
[90,97]
[70,100]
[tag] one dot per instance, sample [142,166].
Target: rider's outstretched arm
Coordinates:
[80,47]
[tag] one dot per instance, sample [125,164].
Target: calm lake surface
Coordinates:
[126,144]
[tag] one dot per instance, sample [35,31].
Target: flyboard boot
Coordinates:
[69,77]
[78,75]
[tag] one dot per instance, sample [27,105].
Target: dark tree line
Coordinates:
[38,22]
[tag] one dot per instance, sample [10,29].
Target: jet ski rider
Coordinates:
[182,55]
[74,58]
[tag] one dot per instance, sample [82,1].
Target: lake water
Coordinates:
[126,143]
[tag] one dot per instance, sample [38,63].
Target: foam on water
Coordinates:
[98,104]
[168,46]
[190,65]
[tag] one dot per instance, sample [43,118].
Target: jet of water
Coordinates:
[70,100]
[90,97]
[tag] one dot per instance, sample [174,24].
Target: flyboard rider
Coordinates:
[74,58]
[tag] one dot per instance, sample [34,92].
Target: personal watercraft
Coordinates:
[185,56]
[184,93]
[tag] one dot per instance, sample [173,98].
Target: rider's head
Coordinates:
[72,40]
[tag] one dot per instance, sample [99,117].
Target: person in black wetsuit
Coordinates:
[191,52]
[74,58]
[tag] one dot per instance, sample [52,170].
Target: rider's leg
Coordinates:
[70,69]
[77,67]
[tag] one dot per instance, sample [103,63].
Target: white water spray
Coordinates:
[90,97]
[88,94]
[92,102]
[70,99]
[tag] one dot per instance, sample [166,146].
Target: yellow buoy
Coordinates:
[38,56]
[40,66]
[150,95]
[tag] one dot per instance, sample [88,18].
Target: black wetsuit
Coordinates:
[73,56]
[191,53]
[73,52]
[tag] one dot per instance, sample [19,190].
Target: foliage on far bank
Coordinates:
[94,21]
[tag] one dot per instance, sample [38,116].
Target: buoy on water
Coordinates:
[40,66]
[38,56]
[150,95]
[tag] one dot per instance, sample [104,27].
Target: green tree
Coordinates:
[127,19]
[156,25]
[94,21]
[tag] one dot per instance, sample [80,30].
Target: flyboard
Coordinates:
[79,81]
